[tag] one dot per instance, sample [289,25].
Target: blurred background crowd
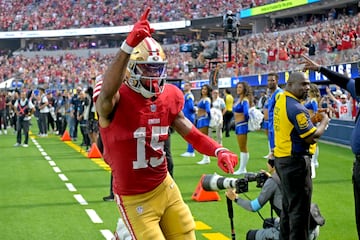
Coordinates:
[60,65]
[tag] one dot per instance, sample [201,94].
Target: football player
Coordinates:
[136,108]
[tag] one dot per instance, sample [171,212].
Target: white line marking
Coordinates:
[52,163]
[93,216]
[70,187]
[40,149]
[80,199]
[107,234]
[57,169]
[48,158]
[44,153]
[63,177]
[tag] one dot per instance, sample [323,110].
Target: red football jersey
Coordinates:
[134,140]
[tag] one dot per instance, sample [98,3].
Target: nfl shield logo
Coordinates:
[153,108]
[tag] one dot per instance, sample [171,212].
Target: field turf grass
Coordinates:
[37,202]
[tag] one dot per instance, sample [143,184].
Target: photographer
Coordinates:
[209,51]
[271,192]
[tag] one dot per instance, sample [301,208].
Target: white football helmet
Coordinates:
[147,68]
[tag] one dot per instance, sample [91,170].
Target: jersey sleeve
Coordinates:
[300,118]
[177,103]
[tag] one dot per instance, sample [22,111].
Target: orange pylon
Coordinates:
[66,136]
[202,195]
[94,152]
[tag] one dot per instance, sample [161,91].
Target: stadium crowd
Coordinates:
[329,42]
[30,15]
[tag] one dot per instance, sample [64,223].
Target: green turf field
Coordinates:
[53,191]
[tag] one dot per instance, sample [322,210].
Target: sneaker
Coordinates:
[108,198]
[316,164]
[17,144]
[5,132]
[25,145]
[316,215]
[267,156]
[188,154]
[204,161]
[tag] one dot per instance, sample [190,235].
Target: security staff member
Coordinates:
[354,88]
[294,132]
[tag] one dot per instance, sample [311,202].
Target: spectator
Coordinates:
[74,106]
[3,120]
[44,112]
[343,105]
[23,109]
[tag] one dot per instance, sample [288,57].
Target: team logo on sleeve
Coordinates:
[302,121]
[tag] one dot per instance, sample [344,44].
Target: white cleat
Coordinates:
[239,172]
[188,154]
[204,161]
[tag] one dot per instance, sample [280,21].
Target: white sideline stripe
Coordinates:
[52,163]
[57,169]
[41,149]
[63,177]
[70,187]
[80,199]
[93,216]
[44,153]
[48,158]
[107,234]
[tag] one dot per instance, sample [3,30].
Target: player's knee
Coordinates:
[188,223]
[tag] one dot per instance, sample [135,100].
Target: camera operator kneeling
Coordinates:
[271,192]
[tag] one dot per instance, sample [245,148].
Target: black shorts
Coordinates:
[93,126]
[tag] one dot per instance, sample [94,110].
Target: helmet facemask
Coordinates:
[147,68]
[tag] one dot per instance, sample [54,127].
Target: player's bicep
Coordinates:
[181,124]
[105,106]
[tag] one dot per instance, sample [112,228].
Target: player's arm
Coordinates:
[115,74]
[246,107]
[204,144]
[320,129]
[112,81]
[339,79]
[267,191]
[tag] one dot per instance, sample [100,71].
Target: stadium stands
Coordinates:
[331,41]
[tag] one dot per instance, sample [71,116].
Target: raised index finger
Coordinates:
[145,15]
[306,57]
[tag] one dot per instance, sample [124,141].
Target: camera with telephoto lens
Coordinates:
[215,182]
